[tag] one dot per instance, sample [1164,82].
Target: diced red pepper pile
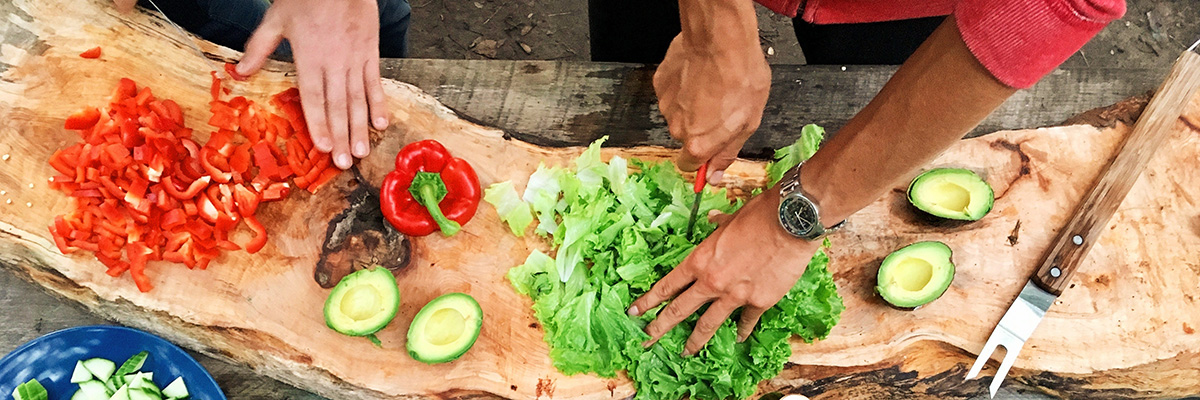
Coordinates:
[142,189]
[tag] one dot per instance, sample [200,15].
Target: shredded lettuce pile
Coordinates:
[615,233]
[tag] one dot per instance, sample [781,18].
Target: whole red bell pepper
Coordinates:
[430,189]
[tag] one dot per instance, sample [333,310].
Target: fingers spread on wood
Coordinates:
[375,97]
[261,44]
[360,143]
[336,110]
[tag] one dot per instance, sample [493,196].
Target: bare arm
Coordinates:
[935,98]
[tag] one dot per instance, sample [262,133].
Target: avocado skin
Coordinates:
[414,344]
[912,304]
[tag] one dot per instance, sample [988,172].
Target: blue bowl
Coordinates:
[51,360]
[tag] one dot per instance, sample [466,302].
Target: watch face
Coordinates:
[797,215]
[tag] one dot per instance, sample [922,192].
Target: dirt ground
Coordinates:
[1151,34]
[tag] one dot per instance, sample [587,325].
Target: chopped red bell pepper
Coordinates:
[91,53]
[430,189]
[82,120]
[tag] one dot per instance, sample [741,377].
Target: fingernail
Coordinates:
[633,311]
[381,123]
[648,343]
[343,161]
[686,354]
[741,338]
[361,149]
[715,177]
[241,69]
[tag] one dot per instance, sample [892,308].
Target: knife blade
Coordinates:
[1069,248]
[698,187]
[188,39]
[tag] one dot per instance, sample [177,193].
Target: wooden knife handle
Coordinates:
[1069,248]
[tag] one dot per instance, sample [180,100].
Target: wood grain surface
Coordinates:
[1125,330]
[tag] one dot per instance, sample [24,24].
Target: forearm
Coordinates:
[719,25]
[936,97]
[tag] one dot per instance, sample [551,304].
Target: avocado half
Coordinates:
[445,328]
[916,274]
[363,302]
[952,193]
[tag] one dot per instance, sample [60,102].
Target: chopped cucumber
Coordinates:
[95,390]
[133,364]
[100,368]
[121,394]
[140,379]
[81,374]
[32,390]
[176,390]
[144,394]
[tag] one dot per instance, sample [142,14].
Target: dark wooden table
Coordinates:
[571,103]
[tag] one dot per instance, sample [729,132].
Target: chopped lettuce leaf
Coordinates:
[788,157]
[512,210]
[616,233]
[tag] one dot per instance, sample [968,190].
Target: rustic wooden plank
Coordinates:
[564,102]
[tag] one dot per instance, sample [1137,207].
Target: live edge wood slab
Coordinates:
[1125,329]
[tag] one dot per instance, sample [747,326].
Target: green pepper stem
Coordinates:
[430,200]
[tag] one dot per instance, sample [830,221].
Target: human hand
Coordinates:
[712,94]
[749,262]
[336,48]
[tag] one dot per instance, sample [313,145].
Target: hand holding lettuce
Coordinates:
[616,233]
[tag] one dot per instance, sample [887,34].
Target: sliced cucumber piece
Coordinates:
[100,368]
[140,379]
[144,394]
[121,394]
[32,390]
[80,395]
[133,364]
[110,387]
[95,390]
[176,390]
[80,374]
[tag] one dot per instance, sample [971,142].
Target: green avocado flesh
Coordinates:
[363,302]
[916,274]
[445,329]
[952,193]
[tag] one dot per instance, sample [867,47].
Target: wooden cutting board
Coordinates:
[1126,329]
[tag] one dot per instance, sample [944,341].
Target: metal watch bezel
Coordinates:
[796,210]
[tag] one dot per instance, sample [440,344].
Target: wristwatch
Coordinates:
[798,214]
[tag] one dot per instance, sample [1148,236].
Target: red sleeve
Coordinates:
[1020,41]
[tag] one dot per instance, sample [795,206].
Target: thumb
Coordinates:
[261,44]
[718,217]
[720,162]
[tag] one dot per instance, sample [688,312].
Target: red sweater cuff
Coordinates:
[1019,42]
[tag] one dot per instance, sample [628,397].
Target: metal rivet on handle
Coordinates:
[1055,272]
[1078,240]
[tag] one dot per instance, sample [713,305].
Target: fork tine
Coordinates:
[1010,356]
[984,355]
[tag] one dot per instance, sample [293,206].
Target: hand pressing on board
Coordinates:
[336,49]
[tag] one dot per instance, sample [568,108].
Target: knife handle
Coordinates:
[701,178]
[1069,248]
